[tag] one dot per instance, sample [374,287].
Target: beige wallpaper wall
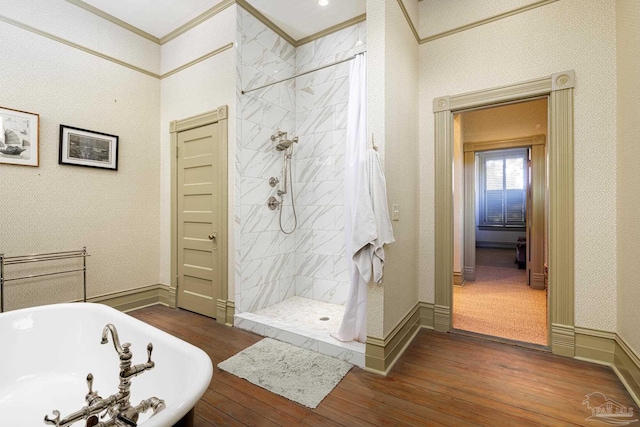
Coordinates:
[54,207]
[200,88]
[568,34]
[437,16]
[628,196]
[376,124]
[401,164]
[200,40]
[72,23]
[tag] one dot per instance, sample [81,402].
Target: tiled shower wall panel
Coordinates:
[264,259]
[321,124]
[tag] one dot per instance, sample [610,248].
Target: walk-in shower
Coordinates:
[286,146]
[291,268]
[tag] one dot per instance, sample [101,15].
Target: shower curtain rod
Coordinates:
[302,74]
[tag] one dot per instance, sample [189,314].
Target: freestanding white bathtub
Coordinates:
[46,353]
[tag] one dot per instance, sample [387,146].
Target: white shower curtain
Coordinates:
[354,322]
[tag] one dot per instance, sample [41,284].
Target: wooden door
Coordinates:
[199,204]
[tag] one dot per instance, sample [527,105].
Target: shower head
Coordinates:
[286,144]
[283,145]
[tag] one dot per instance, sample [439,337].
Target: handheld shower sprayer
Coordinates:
[283,142]
[286,146]
[283,145]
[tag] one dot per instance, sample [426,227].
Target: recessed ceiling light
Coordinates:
[323,2]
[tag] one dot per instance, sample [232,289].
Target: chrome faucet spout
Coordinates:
[117,406]
[114,337]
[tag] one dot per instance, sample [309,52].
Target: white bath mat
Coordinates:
[296,373]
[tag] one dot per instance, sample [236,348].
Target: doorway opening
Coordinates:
[500,205]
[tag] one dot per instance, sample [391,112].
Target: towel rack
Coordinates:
[51,256]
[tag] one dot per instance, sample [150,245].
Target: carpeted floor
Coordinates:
[505,258]
[499,303]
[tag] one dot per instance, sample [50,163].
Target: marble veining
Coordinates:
[271,266]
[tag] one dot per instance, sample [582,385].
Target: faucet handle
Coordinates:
[55,421]
[92,396]
[149,350]
[90,383]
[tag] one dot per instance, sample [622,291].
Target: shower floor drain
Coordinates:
[324,318]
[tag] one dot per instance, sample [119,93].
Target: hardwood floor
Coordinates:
[442,379]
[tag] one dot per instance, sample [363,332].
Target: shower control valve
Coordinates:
[280,134]
[273,203]
[273,181]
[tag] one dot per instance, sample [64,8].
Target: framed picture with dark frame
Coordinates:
[81,147]
[19,131]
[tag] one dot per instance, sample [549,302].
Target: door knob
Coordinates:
[211,236]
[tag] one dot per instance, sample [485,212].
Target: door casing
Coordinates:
[559,87]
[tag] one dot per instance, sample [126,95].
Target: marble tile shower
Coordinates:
[271,266]
[264,259]
[321,120]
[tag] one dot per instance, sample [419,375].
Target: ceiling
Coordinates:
[302,18]
[298,18]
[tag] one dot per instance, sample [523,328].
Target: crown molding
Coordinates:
[266,21]
[270,24]
[110,58]
[76,46]
[409,21]
[184,28]
[295,43]
[114,20]
[219,8]
[197,20]
[330,30]
[197,60]
[487,20]
[166,38]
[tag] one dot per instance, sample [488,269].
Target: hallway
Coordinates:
[499,303]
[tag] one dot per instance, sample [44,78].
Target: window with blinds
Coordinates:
[502,178]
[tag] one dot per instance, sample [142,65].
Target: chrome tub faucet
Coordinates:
[116,406]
